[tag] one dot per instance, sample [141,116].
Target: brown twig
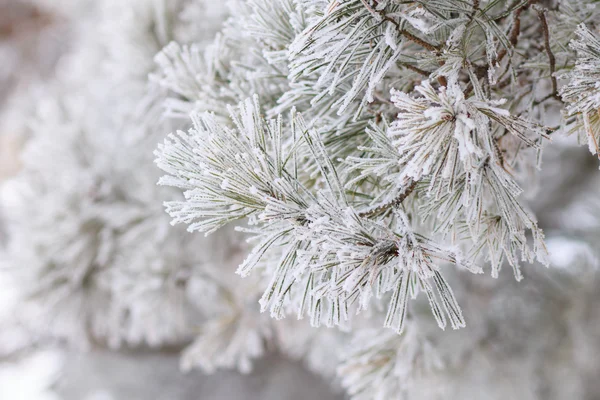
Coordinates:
[475,9]
[415,69]
[390,204]
[513,36]
[401,31]
[541,12]
[415,39]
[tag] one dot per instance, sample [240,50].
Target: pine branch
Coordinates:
[541,12]
[396,202]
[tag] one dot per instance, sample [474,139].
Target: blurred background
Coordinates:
[33,37]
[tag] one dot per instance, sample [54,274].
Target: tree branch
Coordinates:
[541,12]
[376,210]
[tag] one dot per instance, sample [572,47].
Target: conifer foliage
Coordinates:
[359,163]
[432,96]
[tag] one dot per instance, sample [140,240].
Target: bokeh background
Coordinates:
[33,37]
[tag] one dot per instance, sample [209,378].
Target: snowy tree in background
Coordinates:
[366,166]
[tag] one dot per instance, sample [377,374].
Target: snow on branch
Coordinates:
[582,92]
[331,257]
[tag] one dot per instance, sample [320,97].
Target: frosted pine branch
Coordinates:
[395,155]
[582,92]
[231,174]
